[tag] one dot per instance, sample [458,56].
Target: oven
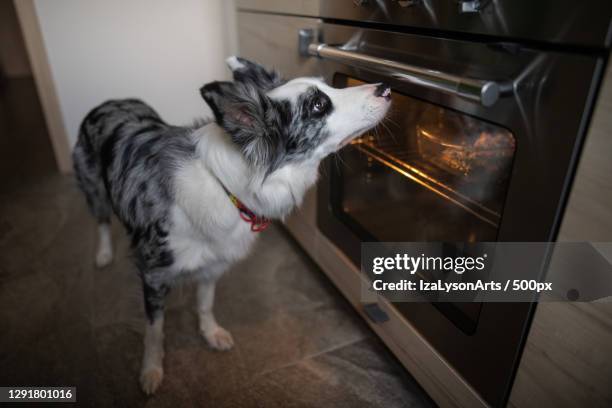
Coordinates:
[479,146]
[491,101]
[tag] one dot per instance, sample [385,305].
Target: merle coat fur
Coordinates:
[168,185]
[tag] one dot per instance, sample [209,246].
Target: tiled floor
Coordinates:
[63,322]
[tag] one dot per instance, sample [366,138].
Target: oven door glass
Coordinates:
[427,173]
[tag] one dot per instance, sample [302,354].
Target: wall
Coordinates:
[161,51]
[13,58]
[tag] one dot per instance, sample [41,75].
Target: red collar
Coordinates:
[258,223]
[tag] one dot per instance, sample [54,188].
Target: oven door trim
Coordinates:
[540,195]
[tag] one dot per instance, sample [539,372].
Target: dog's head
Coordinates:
[274,122]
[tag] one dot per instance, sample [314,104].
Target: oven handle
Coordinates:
[484,92]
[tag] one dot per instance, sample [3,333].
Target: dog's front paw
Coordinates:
[219,339]
[104,257]
[150,379]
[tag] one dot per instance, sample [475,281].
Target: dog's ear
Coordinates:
[247,71]
[244,112]
[215,94]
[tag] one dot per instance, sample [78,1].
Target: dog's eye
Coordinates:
[318,106]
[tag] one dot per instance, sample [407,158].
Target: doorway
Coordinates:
[26,153]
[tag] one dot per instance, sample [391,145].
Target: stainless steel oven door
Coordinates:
[453,97]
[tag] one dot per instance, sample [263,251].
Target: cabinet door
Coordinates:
[272,40]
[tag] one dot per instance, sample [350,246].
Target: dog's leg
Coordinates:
[104,255]
[88,172]
[216,336]
[152,371]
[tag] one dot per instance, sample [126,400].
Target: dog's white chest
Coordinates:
[207,235]
[209,246]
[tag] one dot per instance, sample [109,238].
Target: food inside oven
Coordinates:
[428,173]
[465,151]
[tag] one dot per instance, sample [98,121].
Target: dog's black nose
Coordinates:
[383,90]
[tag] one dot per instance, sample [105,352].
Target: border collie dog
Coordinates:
[192,199]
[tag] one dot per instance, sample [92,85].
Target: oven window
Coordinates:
[427,173]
